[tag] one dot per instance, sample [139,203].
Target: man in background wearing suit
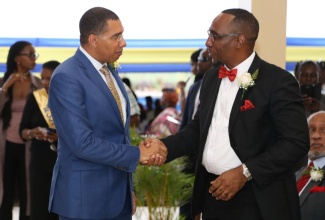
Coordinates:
[92,177]
[312,194]
[192,101]
[250,130]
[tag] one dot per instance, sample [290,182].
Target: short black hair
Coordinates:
[127,82]
[245,22]
[94,21]
[51,65]
[195,55]
[306,63]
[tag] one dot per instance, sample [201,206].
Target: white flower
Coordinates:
[245,81]
[316,174]
[115,65]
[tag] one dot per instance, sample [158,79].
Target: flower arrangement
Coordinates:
[247,80]
[316,174]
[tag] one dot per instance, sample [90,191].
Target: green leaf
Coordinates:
[255,74]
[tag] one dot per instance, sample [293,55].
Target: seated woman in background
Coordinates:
[168,121]
[37,126]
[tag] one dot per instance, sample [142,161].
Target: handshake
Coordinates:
[152,152]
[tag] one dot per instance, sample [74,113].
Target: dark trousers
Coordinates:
[242,206]
[186,210]
[14,174]
[41,168]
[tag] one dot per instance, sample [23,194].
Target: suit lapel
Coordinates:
[93,75]
[300,172]
[238,100]
[306,191]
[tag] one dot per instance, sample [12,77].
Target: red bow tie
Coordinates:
[223,72]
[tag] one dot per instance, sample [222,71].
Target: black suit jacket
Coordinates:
[312,204]
[270,138]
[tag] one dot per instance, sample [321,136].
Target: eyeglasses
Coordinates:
[30,55]
[204,59]
[215,36]
[116,38]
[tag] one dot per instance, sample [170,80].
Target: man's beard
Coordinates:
[313,155]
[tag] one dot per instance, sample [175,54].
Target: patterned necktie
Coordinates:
[223,72]
[110,83]
[304,178]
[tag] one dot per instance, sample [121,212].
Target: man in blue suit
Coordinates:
[92,178]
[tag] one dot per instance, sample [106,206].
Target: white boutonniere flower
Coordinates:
[247,80]
[316,174]
[115,65]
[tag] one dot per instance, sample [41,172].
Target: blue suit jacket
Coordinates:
[92,177]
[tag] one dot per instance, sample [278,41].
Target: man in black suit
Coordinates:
[312,195]
[250,130]
[204,64]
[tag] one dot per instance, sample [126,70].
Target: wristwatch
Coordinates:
[246,172]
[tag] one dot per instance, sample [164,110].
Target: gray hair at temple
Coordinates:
[315,114]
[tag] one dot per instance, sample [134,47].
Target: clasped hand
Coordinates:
[152,152]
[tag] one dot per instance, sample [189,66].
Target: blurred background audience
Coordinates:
[168,120]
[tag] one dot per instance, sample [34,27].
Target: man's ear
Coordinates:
[93,40]
[240,41]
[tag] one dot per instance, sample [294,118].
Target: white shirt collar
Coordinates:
[95,63]
[319,162]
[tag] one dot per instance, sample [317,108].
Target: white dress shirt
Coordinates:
[196,102]
[218,155]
